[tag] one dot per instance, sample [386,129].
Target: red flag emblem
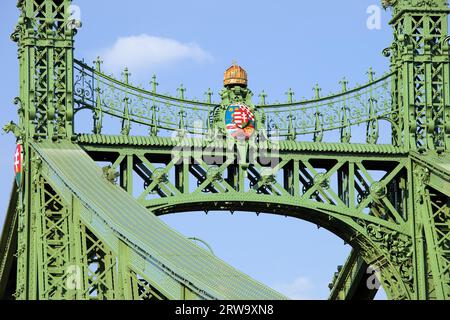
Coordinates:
[240,121]
[18,159]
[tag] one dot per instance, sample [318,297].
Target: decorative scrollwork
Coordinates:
[397,247]
[95,90]
[326,113]
[105,95]
[83,87]
[387,52]
[318,133]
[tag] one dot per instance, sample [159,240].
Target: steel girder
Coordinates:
[373,209]
[64,259]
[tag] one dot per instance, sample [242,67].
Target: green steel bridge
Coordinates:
[77,230]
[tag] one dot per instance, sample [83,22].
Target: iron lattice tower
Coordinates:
[66,235]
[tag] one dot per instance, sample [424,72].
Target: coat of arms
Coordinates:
[240,121]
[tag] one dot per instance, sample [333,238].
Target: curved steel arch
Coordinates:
[340,223]
[261,204]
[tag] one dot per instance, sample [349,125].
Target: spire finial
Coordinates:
[154,84]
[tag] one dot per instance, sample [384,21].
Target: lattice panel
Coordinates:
[437,121]
[419,108]
[440,222]
[45,43]
[418,34]
[336,184]
[43,101]
[142,289]
[420,50]
[101,264]
[52,243]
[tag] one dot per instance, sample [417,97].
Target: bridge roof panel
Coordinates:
[284,145]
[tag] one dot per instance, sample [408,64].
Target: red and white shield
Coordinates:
[243,116]
[18,160]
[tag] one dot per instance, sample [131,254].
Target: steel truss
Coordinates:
[390,202]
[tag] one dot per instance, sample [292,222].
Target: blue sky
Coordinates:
[282,44]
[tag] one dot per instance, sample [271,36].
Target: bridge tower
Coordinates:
[420,56]
[46,228]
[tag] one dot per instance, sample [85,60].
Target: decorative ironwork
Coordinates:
[369,103]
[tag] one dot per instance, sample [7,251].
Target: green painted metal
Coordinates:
[159,254]
[355,280]
[8,247]
[77,235]
[305,192]
[106,95]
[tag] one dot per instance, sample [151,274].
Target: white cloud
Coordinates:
[300,289]
[145,53]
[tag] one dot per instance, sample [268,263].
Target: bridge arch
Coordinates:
[362,236]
